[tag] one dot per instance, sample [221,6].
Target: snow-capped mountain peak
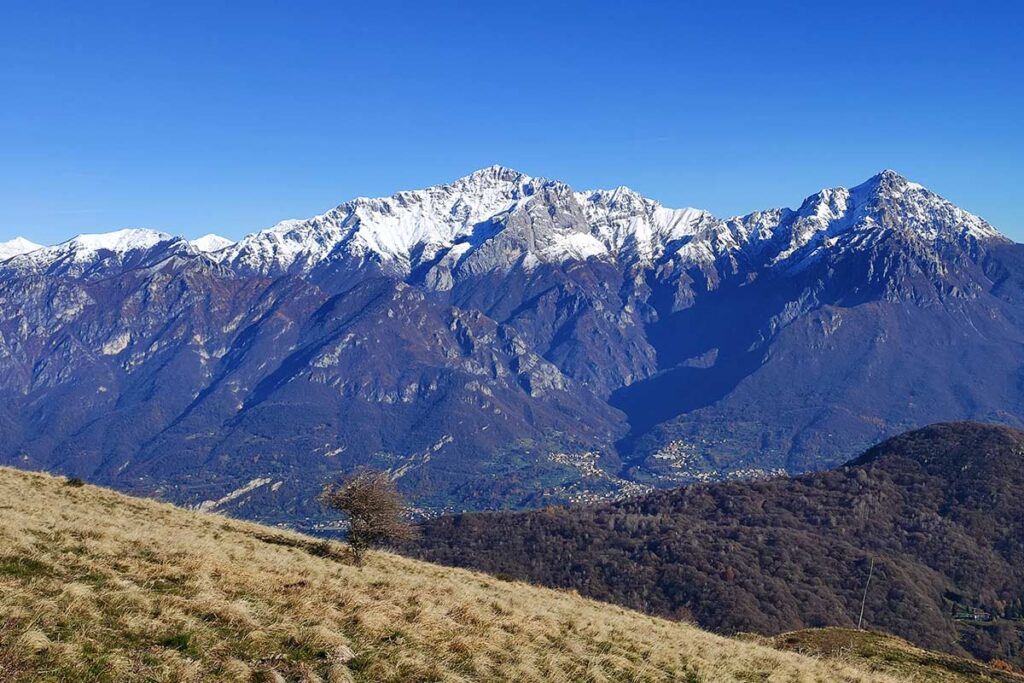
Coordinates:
[211,243]
[82,252]
[898,203]
[492,175]
[391,230]
[117,241]
[837,218]
[17,247]
[636,227]
[891,179]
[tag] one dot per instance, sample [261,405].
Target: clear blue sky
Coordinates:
[211,116]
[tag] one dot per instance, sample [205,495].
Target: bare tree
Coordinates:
[374,508]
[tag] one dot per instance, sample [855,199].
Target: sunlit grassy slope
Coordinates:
[895,655]
[97,586]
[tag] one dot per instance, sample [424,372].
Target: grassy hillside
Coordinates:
[879,650]
[97,586]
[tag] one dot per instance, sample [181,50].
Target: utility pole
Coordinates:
[864,598]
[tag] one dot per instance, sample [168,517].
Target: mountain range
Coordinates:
[504,341]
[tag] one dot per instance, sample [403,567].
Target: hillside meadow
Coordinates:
[98,586]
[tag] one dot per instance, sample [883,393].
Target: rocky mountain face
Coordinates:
[938,512]
[505,340]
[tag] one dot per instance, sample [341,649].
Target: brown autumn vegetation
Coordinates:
[940,509]
[374,508]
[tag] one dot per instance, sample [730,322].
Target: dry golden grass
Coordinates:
[889,653]
[97,586]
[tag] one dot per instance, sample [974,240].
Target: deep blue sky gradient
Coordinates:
[194,117]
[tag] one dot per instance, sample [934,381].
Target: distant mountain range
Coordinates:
[505,341]
[934,516]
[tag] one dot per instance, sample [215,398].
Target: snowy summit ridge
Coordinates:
[80,252]
[17,247]
[464,224]
[211,243]
[498,217]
